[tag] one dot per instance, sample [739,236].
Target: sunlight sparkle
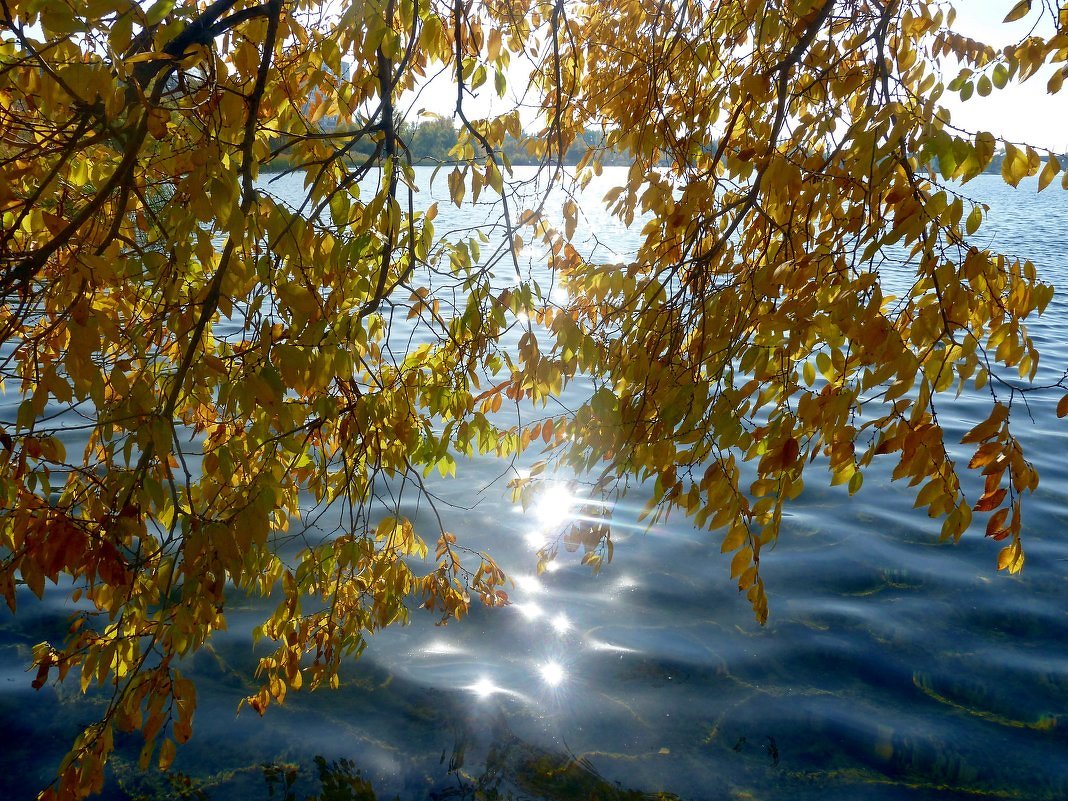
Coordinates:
[529,610]
[555,506]
[484,688]
[552,673]
[560,623]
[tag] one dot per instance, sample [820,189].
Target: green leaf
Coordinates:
[1001,76]
[158,10]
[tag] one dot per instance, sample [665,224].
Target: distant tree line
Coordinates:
[432,141]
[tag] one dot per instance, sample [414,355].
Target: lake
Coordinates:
[893,666]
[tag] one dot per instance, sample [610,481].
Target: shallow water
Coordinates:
[893,666]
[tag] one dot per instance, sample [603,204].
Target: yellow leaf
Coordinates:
[1005,556]
[456,187]
[1011,557]
[932,490]
[1019,11]
[734,539]
[1056,81]
[167,752]
[1049,172]
[747,579]
[741,560]
[570,218]
[989,427]
[825,366]
[1014,166]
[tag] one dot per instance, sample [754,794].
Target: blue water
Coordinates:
[893,666]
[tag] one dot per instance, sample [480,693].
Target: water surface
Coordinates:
[893,666]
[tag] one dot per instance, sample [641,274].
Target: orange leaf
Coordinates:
[996,525]
[989,427]
[994,472]
[1062,406]
[987,453]
[992,500]
[790,450]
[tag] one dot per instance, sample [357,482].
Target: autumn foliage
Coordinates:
[224,358]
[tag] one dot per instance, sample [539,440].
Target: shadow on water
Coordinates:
[512,770]
[383,737]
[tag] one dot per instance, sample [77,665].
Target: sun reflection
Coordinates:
[528,583]
[529,610]
[484,688]
[536,539]
[560,624]
[627,582]
[552,673]
[440,648]
[555,506]
[559,295]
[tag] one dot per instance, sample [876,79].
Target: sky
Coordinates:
[1021,113]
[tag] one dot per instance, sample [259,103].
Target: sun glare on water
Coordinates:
[552,673]
[555,506]
[484,688]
